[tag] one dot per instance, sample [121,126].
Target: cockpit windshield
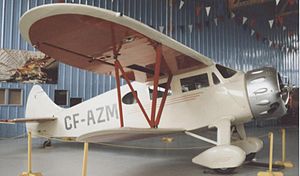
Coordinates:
[225,72]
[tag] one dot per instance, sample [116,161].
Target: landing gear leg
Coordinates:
[47,143]
[223,157]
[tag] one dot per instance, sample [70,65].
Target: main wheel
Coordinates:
[225,170]
[250,156]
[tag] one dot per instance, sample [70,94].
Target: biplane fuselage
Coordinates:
[183,110]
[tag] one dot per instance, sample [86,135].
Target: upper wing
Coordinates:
[27,120]
[125,134]
[89,38]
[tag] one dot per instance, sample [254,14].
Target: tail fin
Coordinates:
[39,104]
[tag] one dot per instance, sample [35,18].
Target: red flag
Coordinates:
[252,23]
[273,45]
[290,33]
[198,10]
[221,18]
[257,36]
[239,20]
[291,2]
[279,20]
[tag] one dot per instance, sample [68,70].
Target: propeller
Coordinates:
[285,90]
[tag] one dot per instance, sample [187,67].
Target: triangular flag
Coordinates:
[291,2]
[207,10]
[283,28]
[271,23]
[270,43]
[252,23]
[181,4]
[216,21]
[232,15]
[277,2]
[198,10]
[191,28]
[252,32]
[257,36]
[161,29]
[244,20]
[279,20]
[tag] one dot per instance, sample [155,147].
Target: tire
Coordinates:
[250,156]
[225,170]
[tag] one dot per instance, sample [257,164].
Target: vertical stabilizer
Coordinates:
[39,104]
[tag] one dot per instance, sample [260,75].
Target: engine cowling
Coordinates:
[265,94]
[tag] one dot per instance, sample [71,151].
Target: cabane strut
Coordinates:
[154,119]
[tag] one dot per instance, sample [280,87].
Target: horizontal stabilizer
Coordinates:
[125,134]
[27,120]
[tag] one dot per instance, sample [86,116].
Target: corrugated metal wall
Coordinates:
[227,43]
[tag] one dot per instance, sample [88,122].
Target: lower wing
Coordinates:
[125,134]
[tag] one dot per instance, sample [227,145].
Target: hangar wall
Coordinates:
[227,43]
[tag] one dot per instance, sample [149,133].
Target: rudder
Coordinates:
[39,105]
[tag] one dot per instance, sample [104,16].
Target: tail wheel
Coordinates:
[225,170]
[47,143]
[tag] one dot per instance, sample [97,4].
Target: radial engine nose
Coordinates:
[264,93]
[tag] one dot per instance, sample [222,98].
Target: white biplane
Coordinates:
[170,87]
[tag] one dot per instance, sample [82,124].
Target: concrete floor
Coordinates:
[66,158]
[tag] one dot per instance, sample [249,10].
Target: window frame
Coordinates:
[7,97]
[212,78]
[194,75]
[160,89]
[223,67]
[127,94]
[67,97]
[75,98]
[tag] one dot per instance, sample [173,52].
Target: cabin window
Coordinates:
[194,82]
[2,96]
[160,90]
[61,97]
[225,72]
[14,96]
[215,79]
[75,101]
[129,98]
